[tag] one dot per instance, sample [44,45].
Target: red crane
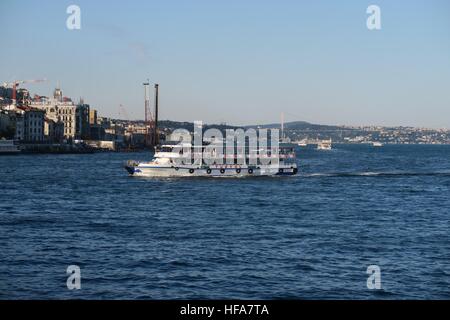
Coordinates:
[16,83]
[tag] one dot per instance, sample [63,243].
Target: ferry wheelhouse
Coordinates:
[168,162]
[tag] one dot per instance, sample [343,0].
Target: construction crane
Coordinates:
[130,128]
[151,118]
[16,83]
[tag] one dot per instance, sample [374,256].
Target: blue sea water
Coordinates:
[311,236]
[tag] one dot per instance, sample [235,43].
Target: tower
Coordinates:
[57,94]
[156,133]
[147,114]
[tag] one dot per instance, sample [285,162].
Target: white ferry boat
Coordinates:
[377,144]
[165,163]
[324,145]
[7,147]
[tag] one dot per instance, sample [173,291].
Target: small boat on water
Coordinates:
[377,144]
[324,145]
[167,162]
[8,147]
[302,143]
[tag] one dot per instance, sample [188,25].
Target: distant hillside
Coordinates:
[172,125]
[302,130]
[294,125]
[299,125]
[286,125]
[296,130]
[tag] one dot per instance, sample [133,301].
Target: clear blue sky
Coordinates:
[240,62]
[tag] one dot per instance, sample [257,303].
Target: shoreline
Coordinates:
[56,150]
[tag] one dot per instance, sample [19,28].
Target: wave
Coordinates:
[378,174]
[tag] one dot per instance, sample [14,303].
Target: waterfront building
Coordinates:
[19,131]
[97,132]
[135,135]
[104,122]
[4,120]
[6,93]
[92,117]
[6,124]
[82,122]
[33,125]
[53,131]
[57,94]
[59,109]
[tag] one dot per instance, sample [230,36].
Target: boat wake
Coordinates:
[378,174]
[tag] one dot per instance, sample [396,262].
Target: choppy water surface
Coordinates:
[310,236]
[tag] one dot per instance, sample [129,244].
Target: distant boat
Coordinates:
[8,147]
[324,145]
[302,143]
[377,144]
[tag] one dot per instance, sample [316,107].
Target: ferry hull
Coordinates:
[151,171]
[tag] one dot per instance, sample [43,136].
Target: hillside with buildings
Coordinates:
[304,131]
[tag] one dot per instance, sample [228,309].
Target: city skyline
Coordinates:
[241,63]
